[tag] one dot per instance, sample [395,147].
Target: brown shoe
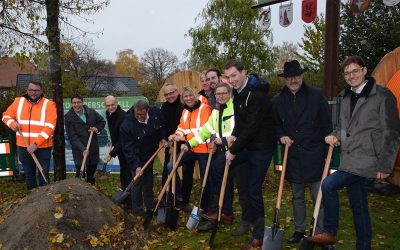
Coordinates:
[253,244]
[322,239]
[228,219]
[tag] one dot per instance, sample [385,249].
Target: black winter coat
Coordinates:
[77,132]
[303,117]
[254,125]
[171,114]
[139,141]
[114,121]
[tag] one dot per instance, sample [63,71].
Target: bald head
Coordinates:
[111,103]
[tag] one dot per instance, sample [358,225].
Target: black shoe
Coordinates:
[296,237]
[206,227]
[243,228]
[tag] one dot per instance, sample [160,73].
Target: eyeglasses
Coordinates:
[34,90]
[221,93]
[110,105]
[353,72]
[75,103]
[169,93]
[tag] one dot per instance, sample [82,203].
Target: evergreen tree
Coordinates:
[371,34]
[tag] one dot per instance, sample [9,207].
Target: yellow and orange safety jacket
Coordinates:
[37,120]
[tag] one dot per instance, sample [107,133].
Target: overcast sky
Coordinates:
[144,24]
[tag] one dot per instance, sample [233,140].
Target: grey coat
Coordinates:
[78,134]
[370,136]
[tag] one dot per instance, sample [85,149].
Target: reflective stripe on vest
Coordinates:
[4,148]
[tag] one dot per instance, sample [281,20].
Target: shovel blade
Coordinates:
[306,244]
[161,215]
[120,196]
[194,219]
[171,218]
[272,242]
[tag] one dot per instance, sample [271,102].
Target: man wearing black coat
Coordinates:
[79,121]
[302,122]
[141,133]
[255,140]
[115,115]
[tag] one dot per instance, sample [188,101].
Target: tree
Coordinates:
[228,30]
[285,52]
[128,64]
[23,25]
[158,65]
[371,34]
[313,46]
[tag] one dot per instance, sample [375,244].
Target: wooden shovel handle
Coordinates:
[147,164]
[319,195]
[208,164]
[35,159]
[174,175]
[223,187]
[87,153]
[282,180]
[169,179]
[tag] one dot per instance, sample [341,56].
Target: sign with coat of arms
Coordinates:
[308,10]
[286,15]
[264,19]
[359,6]
[391,3]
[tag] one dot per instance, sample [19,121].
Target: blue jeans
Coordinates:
[258,163]
[187,159]
[358,201]
[218,169]
[43,155]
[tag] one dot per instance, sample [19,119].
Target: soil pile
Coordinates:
[68,214]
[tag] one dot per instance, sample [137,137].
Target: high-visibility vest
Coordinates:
[211,126]
[190,124]
[37,121]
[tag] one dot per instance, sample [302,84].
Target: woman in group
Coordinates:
[221,124]
[194,115]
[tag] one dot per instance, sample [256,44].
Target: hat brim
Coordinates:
[294,73]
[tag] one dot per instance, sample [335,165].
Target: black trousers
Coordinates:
[90,170]
[125,177]
[241,177]
[142,192]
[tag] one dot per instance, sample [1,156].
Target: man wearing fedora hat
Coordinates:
[302,121]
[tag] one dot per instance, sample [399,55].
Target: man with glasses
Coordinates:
[34,117]
[141,133]
[115,115]
[368,133]
[79,122]
[171,112]
[302,121]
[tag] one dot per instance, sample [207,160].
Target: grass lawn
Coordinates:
[384,213]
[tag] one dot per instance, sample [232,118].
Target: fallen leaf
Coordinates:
[58,216]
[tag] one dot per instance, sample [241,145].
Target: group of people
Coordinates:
[240,125]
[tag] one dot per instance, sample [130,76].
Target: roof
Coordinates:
[113,84]
[105,85]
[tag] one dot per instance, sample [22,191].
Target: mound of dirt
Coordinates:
[68,214]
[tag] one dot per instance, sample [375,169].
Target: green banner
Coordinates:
[98,102]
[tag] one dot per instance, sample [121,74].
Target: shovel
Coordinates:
[305,244]
[86,155]
[38,165]
[162,192]
[194,217]
[171,212]
[162,210]
[121,195]
[273,235]
[103,172]
[220,204]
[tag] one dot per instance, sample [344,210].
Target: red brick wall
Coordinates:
[9,71]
